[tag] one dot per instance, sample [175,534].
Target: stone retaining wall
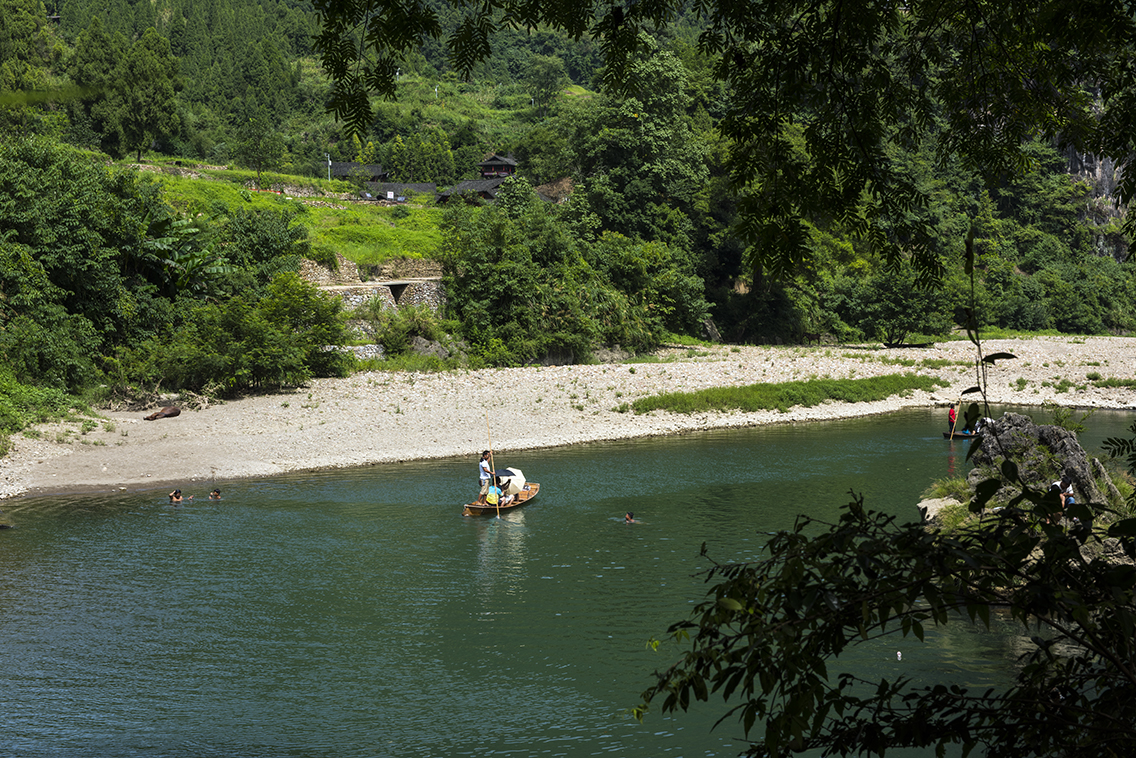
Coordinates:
[322,276]
[427,292]
[424,287]
[405,268]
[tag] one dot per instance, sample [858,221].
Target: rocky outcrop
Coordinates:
[1043,453]
[932,507]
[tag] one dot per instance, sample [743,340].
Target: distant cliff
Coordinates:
[1102,176]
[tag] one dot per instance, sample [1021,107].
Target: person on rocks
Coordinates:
[1064,489]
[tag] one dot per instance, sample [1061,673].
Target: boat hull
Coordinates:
[959,435]
[523,498]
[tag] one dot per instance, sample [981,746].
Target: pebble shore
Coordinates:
[382,417]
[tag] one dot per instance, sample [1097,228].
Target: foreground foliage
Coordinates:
[771,636]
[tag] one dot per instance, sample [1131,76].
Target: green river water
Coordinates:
[357,613]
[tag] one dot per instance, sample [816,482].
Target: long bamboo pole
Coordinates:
[492,468]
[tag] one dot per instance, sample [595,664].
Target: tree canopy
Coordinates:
[817,91]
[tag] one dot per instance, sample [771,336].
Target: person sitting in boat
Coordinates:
[494,496]
[484,476]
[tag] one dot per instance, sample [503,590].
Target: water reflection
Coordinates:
[501,558]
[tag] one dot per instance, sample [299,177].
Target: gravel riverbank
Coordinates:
[381,417]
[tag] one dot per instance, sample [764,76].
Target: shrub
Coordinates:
[22,405]
[284,339]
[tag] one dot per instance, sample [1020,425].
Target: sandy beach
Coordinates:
[381,417]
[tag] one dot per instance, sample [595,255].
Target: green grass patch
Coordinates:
[412,363]
[955,488]
[990,333]
[951,517]
[218,198]
[761,397]
[1113,381]
[369,233]
[363,232]
[933,363]
[687,341]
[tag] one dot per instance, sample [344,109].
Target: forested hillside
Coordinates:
[651,234]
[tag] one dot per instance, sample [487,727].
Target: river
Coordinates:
[357,613]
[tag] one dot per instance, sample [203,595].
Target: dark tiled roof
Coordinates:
[344,168]
[498,160]
[480,186]
[380,189]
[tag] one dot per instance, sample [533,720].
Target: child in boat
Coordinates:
[506,499]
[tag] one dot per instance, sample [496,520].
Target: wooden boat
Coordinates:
[959,435]
[512,483]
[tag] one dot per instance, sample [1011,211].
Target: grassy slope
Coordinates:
[362,232]
[366,232]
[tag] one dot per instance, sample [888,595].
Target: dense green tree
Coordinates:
[528,280]
[258,145]
[72,230]
[244,343]
[642,167]
[144,96]
[29,54]
[261,245]
[423,156]
[546,78]
[888,307]
[26,45]
[95,66]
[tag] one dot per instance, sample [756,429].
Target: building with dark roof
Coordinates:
[496,166]
[398,191]
[352,170]
[484,189]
